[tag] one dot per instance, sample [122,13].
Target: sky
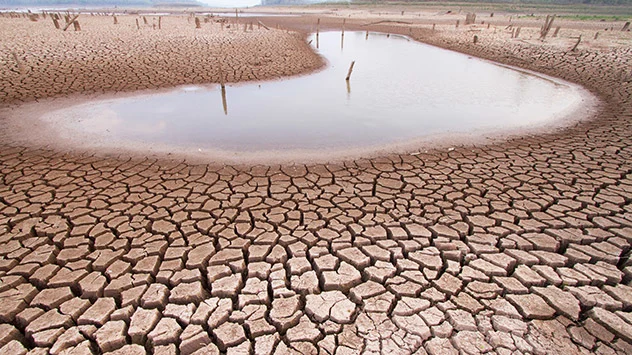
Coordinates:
[231,3]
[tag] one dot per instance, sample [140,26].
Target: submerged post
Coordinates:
[350,71]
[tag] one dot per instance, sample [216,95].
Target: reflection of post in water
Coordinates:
[342,36]
[223,86]
[317,32]
[348,89]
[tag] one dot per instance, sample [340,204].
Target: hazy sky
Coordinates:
[231,3]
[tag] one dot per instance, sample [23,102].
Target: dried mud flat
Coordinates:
[519,247]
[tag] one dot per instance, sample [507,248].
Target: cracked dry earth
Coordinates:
[515,248]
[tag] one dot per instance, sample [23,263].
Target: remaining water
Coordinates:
[400,90]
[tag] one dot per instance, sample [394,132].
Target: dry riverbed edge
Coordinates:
[521,246]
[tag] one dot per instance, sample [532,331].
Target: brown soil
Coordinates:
[517,246]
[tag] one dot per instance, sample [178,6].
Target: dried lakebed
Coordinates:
[402,95]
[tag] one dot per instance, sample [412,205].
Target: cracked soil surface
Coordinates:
[518,247]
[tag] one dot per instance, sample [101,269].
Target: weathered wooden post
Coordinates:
[160,22]
[596,35]
[55,22]
[77,26]
[579,39]
[144,20]
[557,30]
[475,40]
[197,23]
[457,23]
[547,26]
[137,25]
[115,20]
[626,27]
[350,71]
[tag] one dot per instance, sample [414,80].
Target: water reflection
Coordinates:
[402,90]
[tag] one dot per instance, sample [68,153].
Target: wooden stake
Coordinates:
[55,22]
[579,39]
[547,26]
[77,26]
[224,102]
[115,20]
[137,25]
[264,26]
[197,23]
[350,71]
[160,22]
[557,30]
[71,22]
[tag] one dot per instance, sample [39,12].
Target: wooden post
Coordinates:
[55,22]
[457,23]
[71,22]
[518,32]
[115,20]
[433,26]
[317,26]
[350,71]
[547,26]
[475,40]
[596,35]
[137,25]
[224,102]
[557,30]
[18,63]
[264,26]
[343,26]
[367,35]
[197,23]
[236,14]
[579,39]
[77,26]
[160,22]
[626,27]
[144,20]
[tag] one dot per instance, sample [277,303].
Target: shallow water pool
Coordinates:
[400,90]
